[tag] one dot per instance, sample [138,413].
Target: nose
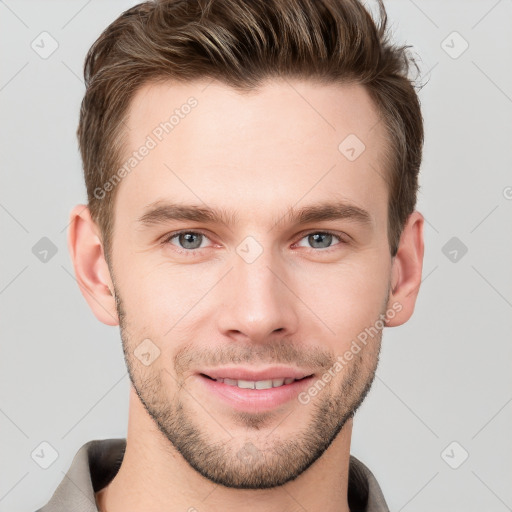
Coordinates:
[257,301]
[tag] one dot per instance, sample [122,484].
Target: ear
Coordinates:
[91,269]
[406,271]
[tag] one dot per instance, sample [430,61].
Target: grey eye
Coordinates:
[189,239]
[320,240]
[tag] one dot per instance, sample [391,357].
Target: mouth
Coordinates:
[257,384]
[259,394]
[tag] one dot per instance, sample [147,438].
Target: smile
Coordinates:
[258,384]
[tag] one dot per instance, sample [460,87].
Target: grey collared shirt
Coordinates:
[97,463]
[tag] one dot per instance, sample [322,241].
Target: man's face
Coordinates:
[261,290]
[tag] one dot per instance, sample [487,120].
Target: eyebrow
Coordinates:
[161,212]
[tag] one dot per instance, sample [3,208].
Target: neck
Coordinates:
[154,476]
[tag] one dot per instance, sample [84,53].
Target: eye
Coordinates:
[321,239]
[187,241]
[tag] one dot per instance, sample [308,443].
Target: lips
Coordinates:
[253,396]
[249,374]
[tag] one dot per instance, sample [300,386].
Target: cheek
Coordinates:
[161,299]
[348,297]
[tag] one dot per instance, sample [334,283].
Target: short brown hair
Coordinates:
[241,43]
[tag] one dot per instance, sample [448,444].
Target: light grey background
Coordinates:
[445,376]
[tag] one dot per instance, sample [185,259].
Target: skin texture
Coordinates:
[301,302]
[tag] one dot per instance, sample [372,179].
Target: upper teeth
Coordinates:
[258,384]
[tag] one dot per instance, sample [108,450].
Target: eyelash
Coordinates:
[194,252]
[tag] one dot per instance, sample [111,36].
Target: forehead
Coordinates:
[269,147]
[217,109]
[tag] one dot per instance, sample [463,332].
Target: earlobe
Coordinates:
[91,269]
[406,271]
